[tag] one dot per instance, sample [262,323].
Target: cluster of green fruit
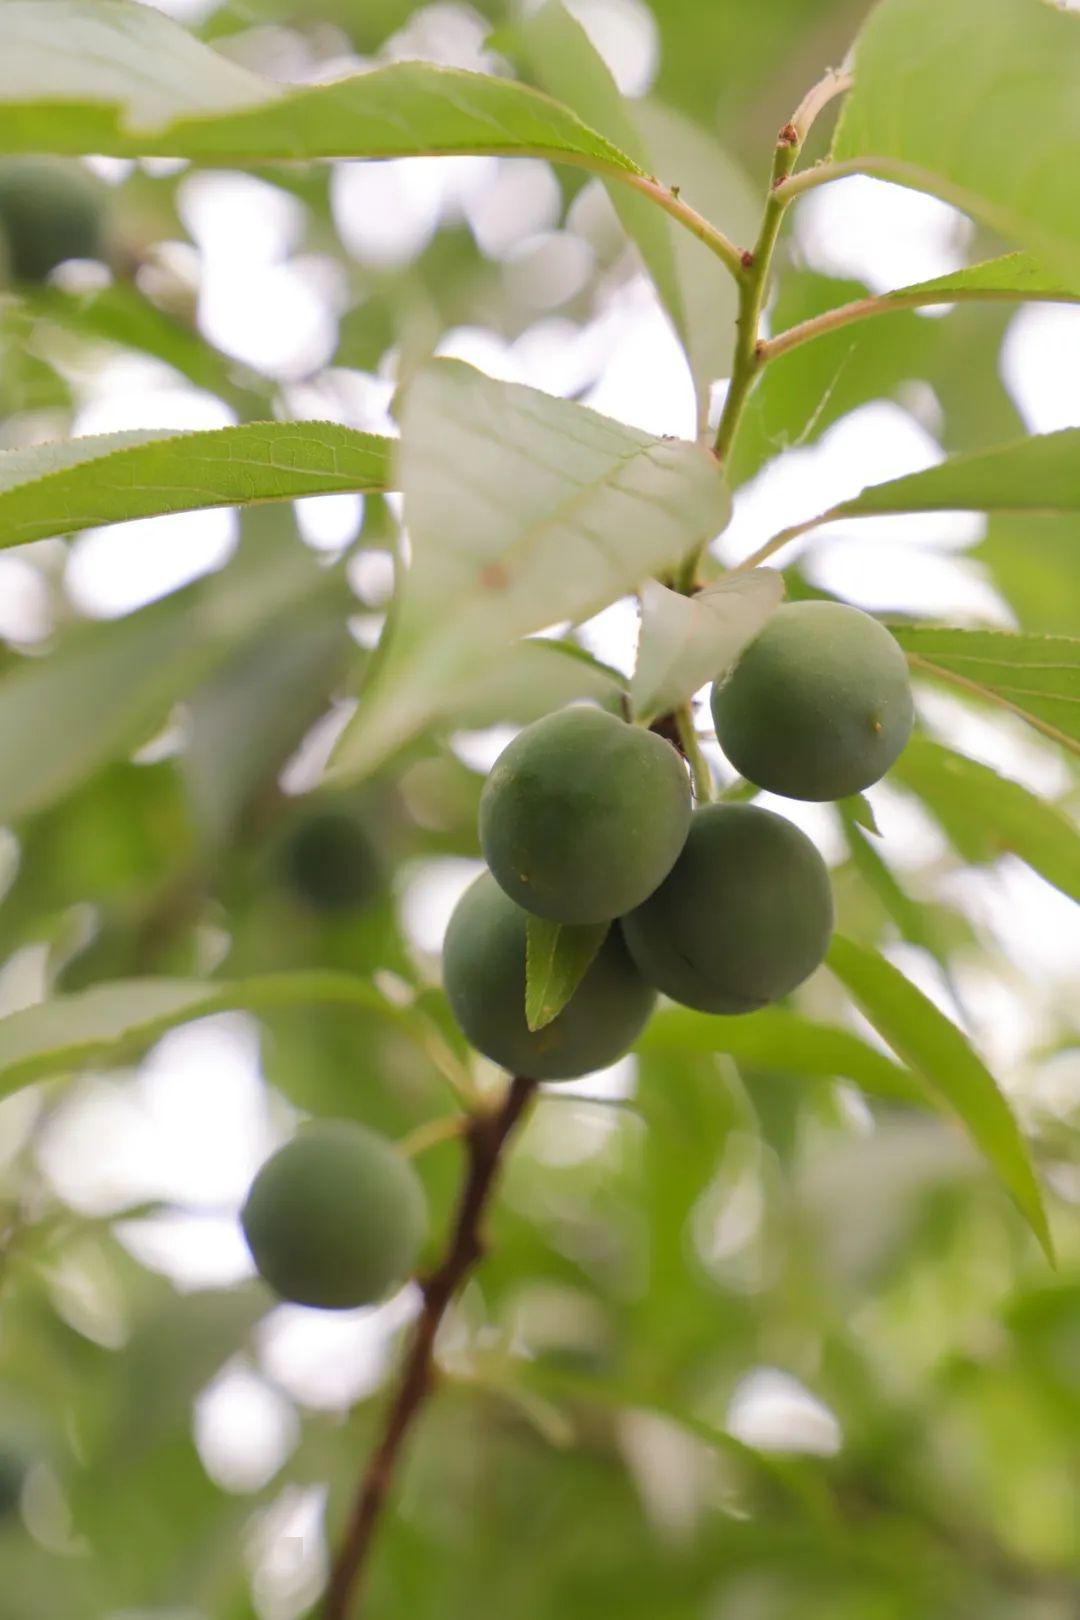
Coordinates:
[588,820]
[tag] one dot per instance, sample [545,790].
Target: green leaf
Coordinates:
[522,511]
[1037,474]
[780,1040]
[912,920]
[532,678]
[859,810]
[57,488]
[112,1024]
[557,958]
[1011,275]
[688,640]
[82,76]
[1036,677]
[979,104]
[986,815]
[937,1050]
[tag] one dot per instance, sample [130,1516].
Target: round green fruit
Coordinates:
[49,212]
[818,706]
[330,863]
[584,815]
[335,1218]
[484,976]
[744,917]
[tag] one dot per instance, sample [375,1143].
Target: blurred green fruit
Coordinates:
[583,816]
[744,917]
[335,1218]
[484,976]
[818,706]
[330,862]
[49,212]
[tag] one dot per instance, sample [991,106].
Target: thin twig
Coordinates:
[484,1139]
[834,82]
[861,309]
[669,200]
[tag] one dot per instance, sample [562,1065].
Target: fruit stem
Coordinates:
[431,1133]
[485,1136]
[690,748]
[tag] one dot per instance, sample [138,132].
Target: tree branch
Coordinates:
[667,197]
[485,1138]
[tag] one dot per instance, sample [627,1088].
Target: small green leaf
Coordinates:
[557,958]
[57,488]
[977,103]
[859,810]
[1035,677]
[688,640]
[986,815]
[119,78]
[937,1050]
[522,510]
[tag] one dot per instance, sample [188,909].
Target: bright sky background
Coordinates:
[276,309]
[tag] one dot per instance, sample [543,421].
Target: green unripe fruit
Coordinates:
[330,862]
[49,212]
[335,1218]
[744,917]
[584,815]
[484,976]
[818,706]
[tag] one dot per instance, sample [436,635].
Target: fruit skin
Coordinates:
[49,212]
[335,1218]
[330,863]
[484,977]
[818,706]
[744,917]
[584,815]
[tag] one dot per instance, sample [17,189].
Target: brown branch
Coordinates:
[485,1139]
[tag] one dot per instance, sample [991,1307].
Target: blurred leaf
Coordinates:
[121,314]
[937,1050]
[781,1040]
[978,105]
[913,921]
[533,677]
[686,155]
[114,1023]
[1033,564]
[557,958]
[522,510]
[107,685]
[568,66]
[112,477]
[695,289]
[245,720]
[688,640]
[1036,677]
[986,815]
[76,76]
